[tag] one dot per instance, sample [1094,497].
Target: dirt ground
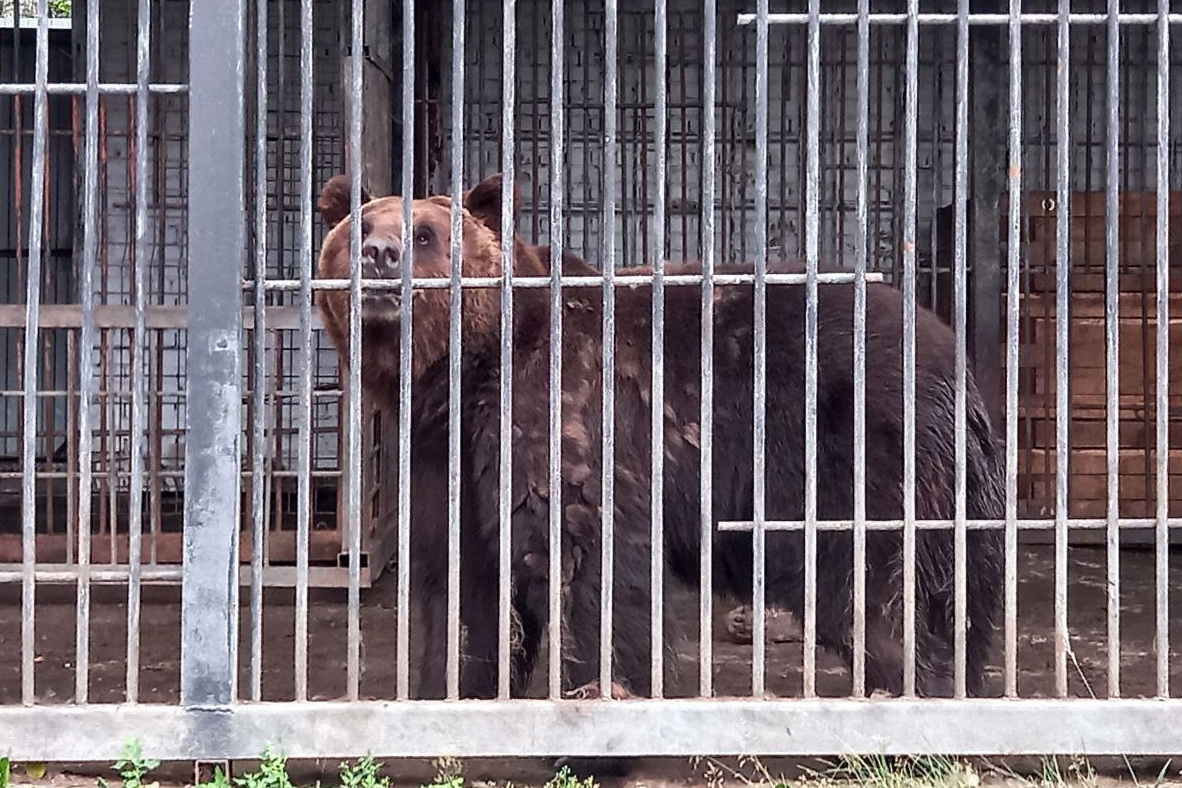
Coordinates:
[654,773]
[160,644]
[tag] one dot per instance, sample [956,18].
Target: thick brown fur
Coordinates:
[733,471]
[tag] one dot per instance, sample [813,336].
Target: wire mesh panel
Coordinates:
[594,318]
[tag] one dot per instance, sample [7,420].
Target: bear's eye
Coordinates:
[423,236]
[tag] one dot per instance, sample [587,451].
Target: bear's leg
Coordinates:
[978,643]
[986,584]
[433,645]
[631,640]
[631,625]
[529,630]
[479,616]
[478,624]
[478,649]
[934,666]
[884,656]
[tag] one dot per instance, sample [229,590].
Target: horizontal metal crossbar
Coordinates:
[588,728]
[79,88]
[1084,523]
[275,576]
[622,279]
[952,19]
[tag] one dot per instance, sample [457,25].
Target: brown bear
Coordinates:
[581,461]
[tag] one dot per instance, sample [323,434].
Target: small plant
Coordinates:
[566,779]
[272,773]
[132,766]
[448,774]
[220,780]
[363,775]
[61,8]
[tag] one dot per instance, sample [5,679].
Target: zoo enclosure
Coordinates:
[118,284]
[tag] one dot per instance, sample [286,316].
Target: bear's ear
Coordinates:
[483,201]
[334,199]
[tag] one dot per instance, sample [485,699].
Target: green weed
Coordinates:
[272,772]
[567,779]
[363,774]
[132,766]
[449,773]
[220,780]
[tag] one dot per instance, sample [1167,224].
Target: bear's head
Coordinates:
[382,247]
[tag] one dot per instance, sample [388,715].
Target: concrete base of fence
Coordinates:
[624,728]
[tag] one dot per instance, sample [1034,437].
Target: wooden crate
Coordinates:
[1087,371]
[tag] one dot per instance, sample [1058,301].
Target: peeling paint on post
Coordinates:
[217,248]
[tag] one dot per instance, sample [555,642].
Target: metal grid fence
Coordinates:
[249,193]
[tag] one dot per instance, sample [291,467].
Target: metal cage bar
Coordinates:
[505,469]
[455,335]
[304,402]
[1162,527]
[1112,345]
[353,441]
[611,35]
[217,238]
[1013,269]
[1062,338]
[29,374]
[557,142]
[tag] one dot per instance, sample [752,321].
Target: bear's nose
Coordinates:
[380,258]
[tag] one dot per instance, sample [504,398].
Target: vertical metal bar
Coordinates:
[353,491]
[454,334]
[32,313]
[1112,345]
[759,388]
[1013,300]
[706,490]
[960,221]
[556,238]
[258,487]
[306,348]
[217,248]
[611,56]
[71,433]
[135,507]
[657,553]
[404,391]
[812,240]
[86,356]
[1162,531]
[909,239]
[862,240]
[277,509]
[508,178]
[1062,335]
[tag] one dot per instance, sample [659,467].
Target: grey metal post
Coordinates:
[217,248]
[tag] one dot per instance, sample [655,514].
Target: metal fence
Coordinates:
[826,452]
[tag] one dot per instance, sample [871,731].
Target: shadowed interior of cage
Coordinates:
[303,400]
